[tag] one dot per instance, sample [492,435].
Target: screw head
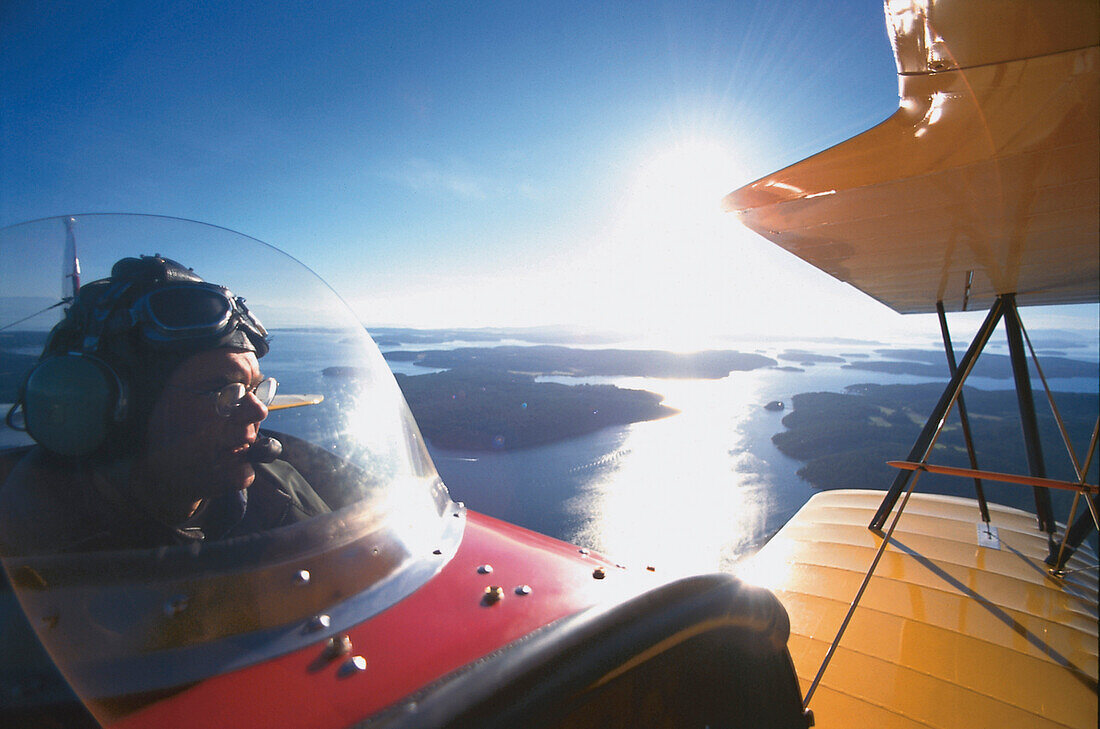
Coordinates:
[523,590]
[599,573]
[354,665]
[493,594]
[338,646]
[318,623]
[301,577]
[485,569]
[175,605]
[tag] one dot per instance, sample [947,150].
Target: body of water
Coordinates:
[688,493]
[693,492]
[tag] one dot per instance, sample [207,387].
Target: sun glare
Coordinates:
[670,256]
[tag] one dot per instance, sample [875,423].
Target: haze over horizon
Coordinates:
[449,166]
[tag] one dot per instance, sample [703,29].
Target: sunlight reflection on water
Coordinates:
[686,497]
[693,492]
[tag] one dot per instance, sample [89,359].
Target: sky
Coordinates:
[463,164]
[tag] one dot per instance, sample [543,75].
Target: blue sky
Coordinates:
[455,163]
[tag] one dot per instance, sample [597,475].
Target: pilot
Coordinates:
[146,405]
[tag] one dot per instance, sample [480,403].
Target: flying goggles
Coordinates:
[187,312]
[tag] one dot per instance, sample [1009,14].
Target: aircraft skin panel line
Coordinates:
[1058,637]
[950,644]
[927,704]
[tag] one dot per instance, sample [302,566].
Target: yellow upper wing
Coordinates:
[986,181]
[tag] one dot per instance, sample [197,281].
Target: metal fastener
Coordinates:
[583,551]
[338,646]
[437,551]
[599,573]
[485,569]
[523,590]
[493,594]
[318,623]
[301,577]
[353,665]
[175,605]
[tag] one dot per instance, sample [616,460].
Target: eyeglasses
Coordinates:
[227,399]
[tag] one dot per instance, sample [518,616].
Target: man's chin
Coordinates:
[247,477]
[231,480]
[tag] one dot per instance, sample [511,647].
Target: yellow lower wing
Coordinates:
[282,402]
[951,632]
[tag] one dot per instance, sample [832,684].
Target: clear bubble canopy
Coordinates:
[120,622]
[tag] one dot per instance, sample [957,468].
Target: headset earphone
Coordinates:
[72,402]
[72,399]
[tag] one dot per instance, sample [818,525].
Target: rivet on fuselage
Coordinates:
[493,594]
[301,577]
[318,623]
[338,646]
[175,605]
[523,590]
[353,665]
[583,551]
[599,573]
[485,569]
[437,551]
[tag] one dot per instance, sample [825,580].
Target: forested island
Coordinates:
[481,411]
[395,336]
[488,399]
[846,439]
[553,360]
[929,363]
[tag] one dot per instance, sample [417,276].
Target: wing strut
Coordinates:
[1030,425]
[982,505]
[927,438]
[1003,307]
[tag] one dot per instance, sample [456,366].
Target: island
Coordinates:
[808,358]
[485,411]
[396,336]
[845,439]
[488,398]
[931,363]
[574,362]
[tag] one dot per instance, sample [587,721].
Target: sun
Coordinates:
[671,251]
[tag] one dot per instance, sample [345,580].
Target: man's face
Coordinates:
[191,451]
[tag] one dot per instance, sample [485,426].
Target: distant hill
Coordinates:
[550,360]
[846,439]
[484,411]
[394,336]
[929,363]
